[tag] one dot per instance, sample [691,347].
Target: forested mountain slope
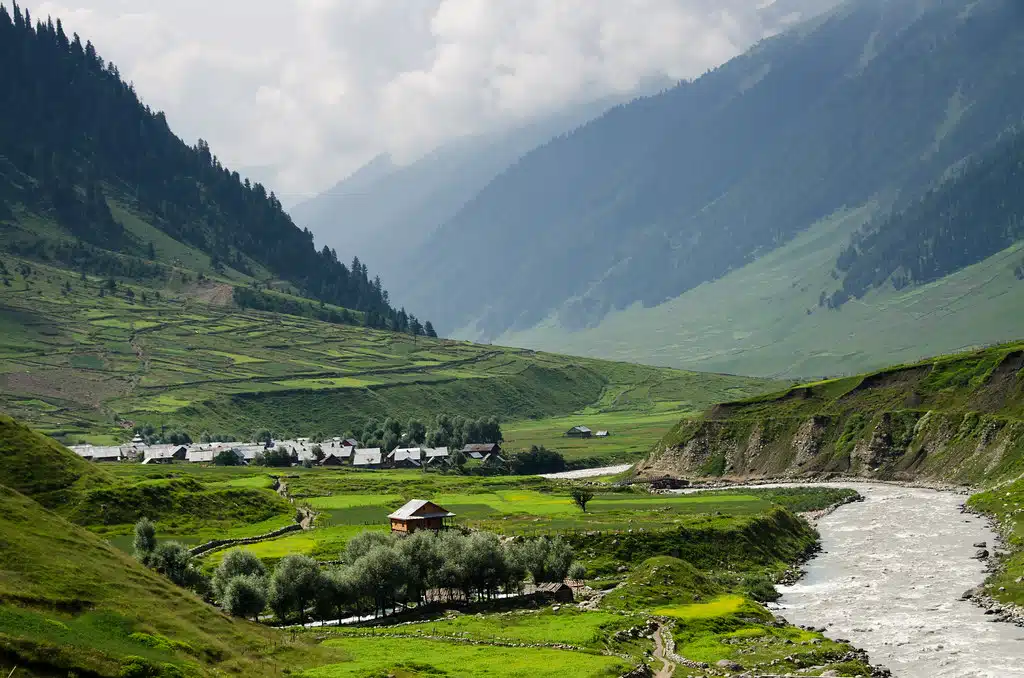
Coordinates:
[92,179]
[871,104]
[957,418]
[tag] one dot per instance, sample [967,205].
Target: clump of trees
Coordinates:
[170,558]
[276,458]
[381,572]
[444,431]
[537,460]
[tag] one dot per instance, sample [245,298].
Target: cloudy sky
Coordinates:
[303,92]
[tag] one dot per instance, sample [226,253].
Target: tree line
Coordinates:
[974,214]
[80,133]
[377,572]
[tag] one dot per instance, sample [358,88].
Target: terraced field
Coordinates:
[80,359]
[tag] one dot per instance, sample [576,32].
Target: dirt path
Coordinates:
[668,668]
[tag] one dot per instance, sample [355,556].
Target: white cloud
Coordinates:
[306,91]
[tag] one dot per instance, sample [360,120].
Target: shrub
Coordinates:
[237,563]
[145,540]
[245,596]
[174,561]
[294,586]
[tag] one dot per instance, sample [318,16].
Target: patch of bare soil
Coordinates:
[214,294]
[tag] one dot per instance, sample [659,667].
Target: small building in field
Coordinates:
[555,591]
[602,434]
[420,514]
[579,432]
[481,450]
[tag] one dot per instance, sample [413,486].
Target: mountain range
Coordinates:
[820,164]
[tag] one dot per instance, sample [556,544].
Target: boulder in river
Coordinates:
[981,545]
[981,554]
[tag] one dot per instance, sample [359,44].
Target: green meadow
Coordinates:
[81,367]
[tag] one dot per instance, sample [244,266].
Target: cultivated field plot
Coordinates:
[77,357]
[416,657]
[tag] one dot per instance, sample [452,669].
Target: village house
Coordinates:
[164,454]
[405,457]
[434,456]
[579,432]
[98,453]
[367,458]
[420,514]
[334,459]
[479,451]
[602,434]
[207,454]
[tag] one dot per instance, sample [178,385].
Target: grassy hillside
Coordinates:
[71,604]
[42,469]
[958,418]
[78,359]
[765,319]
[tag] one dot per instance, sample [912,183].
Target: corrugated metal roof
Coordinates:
[481,447]
[413,510]
[367,456]
[406,454]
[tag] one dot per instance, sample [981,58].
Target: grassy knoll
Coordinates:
[73,363]
[41,468]
[955,418]
[659,582]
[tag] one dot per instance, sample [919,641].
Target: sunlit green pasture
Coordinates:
[416,657]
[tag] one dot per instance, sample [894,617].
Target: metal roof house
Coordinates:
[435,455]
[337,458]
[409,457]
[479,451]
[579,432]
[165,454]
[369,457]
[98,453]
[603,434]
[420,514]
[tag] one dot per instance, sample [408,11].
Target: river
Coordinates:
[890,579]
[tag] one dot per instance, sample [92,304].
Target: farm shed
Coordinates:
[579,432]
[558,591]
[420,514]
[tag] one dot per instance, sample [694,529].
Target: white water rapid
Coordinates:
[890,579]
